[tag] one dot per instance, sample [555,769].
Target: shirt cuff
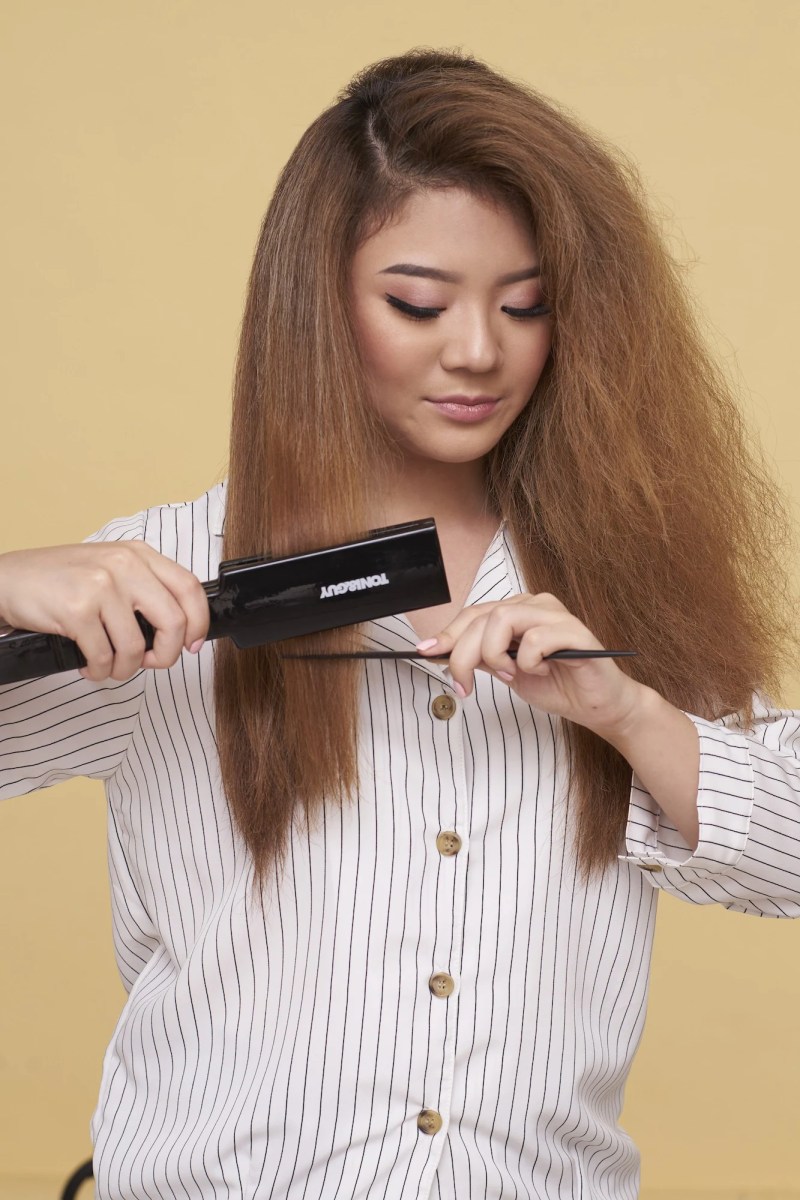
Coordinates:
[726,788]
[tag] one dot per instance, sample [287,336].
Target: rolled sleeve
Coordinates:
[748,806]
[726,786]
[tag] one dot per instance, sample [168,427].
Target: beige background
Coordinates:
[140,142]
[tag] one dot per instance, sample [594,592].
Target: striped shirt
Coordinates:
[430,1002]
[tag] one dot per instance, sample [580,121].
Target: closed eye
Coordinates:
[412,310]
[418,313]
[537,310]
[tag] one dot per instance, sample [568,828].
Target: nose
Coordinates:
[471,344]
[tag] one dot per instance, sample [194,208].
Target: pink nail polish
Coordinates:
[195,646]
[427,645]
[504,675]
[459,691]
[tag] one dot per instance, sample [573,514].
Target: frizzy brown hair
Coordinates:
[628,484]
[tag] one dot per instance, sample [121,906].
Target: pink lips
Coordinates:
[466,408]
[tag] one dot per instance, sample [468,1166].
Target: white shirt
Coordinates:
[288,1051]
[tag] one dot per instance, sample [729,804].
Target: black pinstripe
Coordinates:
[286,1052]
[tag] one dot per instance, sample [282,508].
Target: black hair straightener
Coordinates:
[257,600]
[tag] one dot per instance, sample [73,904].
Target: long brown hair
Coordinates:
[628,483]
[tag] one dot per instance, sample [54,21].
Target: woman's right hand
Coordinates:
[90,592]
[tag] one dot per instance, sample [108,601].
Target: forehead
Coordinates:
[451,228]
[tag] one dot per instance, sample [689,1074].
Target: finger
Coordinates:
[466,655]
[507,624]
[187,592]
[162,610]
[547,606]
[93,643]
[539,641]
[80,620]
[501,631]
[455,629]
[124,635]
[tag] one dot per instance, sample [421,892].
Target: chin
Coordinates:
[453,455]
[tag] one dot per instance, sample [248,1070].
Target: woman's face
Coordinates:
[451,323]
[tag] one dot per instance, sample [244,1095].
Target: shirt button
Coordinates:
[443,707]
[448,843]
[441,984]
[429,1121]
[651,866]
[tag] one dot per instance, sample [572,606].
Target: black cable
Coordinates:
[73,1184]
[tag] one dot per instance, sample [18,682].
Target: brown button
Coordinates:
[651,866]
[429,1121]
[448,843]
[443,707]
[441,984]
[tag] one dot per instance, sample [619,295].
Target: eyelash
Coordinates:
[428,314]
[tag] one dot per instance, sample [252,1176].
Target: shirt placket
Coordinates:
[430,1102]
[438,976]
[446,849]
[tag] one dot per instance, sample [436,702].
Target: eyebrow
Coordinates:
[419,272]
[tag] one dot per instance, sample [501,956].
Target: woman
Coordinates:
[386,927]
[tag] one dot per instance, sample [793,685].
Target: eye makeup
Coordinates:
[536,310]
[419,313]
[412,310]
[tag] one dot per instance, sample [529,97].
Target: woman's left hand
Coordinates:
[590,692]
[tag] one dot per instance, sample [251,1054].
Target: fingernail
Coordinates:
[505,676]
[459,691]
[427,645]
[195,646]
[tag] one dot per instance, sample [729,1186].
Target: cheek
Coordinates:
[531,359]
[389,354]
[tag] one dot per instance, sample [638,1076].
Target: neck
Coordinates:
[454,494]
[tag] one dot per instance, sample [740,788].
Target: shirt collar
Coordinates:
[216,509]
